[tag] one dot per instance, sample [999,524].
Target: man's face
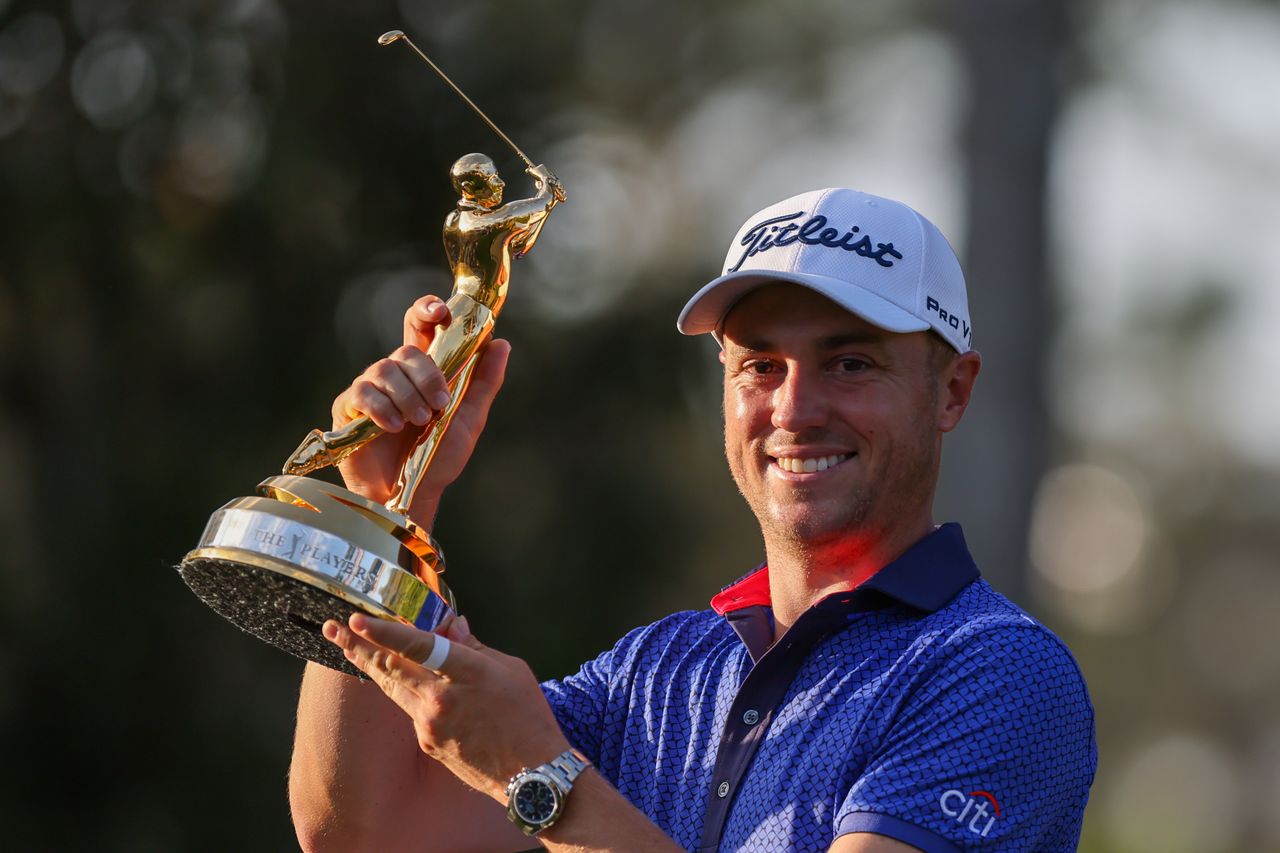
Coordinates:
[493,196]
[484,188]
[831,424]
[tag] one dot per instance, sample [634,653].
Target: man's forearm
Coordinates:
[482,715]
[597,817]
[355,760]
[359,780]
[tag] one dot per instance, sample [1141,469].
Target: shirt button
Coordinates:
[751,717]
[723,790]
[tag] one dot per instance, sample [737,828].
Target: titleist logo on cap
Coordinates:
[814,231]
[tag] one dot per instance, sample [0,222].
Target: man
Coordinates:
[864,691]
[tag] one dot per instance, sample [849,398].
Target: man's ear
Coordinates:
[957,387]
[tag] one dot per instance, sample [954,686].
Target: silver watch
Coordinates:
[536,798]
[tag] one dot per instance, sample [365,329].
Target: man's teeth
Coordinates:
[797,465]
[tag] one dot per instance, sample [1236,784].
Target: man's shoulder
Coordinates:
[989,704]
[682,628]
[979,610]
[680,642]
[982,630]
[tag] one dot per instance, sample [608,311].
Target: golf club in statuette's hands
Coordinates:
[302,551]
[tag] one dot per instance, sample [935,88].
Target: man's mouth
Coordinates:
[810,464]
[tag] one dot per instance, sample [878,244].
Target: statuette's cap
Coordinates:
[873,256]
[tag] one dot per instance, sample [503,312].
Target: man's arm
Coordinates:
[547,183]
[483,716]
[532,213]
[994,749]
[378,767]
[358,779]
[359,782]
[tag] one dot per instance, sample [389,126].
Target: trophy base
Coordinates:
[275,608]
[278,565]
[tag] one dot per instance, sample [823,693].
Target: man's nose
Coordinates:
[798,403]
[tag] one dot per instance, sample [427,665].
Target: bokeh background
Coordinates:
[213,214]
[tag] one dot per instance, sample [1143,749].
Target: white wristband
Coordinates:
[439,654]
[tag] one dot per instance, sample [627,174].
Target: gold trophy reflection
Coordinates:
[481,238]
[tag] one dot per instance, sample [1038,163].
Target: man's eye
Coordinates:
[760,368]
[851,365]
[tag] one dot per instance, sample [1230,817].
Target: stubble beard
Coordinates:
[863,514]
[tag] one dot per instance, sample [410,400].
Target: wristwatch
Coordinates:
[536,798]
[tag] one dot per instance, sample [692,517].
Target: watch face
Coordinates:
[535,801]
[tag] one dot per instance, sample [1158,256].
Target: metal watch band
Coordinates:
[566,766]
[560,772]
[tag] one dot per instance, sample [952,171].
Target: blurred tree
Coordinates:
[212,214]
[1015,55]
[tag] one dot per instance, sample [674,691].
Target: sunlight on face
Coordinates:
[830,422]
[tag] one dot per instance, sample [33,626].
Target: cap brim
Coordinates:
[706,311]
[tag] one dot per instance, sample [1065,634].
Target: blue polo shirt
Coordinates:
[922,705]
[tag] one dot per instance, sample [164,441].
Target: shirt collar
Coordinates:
[926,576]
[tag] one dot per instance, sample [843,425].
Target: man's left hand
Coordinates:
[481,714]
[545,177]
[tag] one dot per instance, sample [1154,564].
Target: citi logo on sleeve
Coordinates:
[972,807]
[765,235]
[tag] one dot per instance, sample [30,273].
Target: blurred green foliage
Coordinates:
[213,214]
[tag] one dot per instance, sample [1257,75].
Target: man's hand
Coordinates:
[545,177]
[403,392]
[482,714]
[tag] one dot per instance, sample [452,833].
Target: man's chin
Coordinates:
[814,529]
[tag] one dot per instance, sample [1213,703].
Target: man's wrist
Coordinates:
[423,513]
[538,796]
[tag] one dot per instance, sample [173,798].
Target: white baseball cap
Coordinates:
[873,256]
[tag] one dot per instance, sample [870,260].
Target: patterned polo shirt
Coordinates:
[922,705]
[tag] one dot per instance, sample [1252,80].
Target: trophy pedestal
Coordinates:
[302,551]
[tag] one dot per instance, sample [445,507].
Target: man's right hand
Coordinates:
[545,177]
[401,394]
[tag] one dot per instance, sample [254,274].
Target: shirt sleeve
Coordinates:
[993,749]
[581,701]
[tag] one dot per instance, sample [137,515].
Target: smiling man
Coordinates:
[862,690]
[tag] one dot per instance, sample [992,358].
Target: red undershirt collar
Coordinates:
[927,576]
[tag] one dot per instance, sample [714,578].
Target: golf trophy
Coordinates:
[302,551]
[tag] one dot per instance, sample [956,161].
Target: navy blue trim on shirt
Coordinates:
[930,573]
[904,831]
[927,576]
[754,626]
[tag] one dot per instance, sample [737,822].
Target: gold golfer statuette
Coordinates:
[481,238]
[301,550]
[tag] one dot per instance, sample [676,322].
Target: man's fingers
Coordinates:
[426,378]
[410,643]
[405,387]
[422,319]
[404,640]
[401,679]
[492,368]
[459,631]
[364,397]
[387,396]
[485,382]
